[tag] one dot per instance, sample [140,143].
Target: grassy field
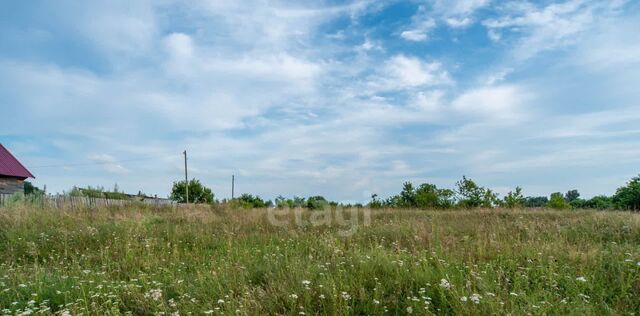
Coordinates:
[202,261]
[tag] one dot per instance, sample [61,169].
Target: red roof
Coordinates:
[10,166]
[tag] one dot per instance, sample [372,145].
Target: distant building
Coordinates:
[12,173]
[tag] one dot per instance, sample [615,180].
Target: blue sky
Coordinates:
[336,98]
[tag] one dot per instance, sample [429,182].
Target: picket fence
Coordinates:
[63,201]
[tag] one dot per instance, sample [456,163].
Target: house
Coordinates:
[12,173]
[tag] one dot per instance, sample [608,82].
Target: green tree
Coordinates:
[407,196]
[375,203]
[471,195]
[514,199]
[317,203]
[198,193]
[571,195]
[600,202]
[30,189]
[628,196]
[536,201]
[430,196]
[558,202]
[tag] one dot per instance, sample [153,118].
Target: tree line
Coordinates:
[467,194]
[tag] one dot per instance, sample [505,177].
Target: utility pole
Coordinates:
[186,177]
[233,184]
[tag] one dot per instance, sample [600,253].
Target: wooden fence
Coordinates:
[63,201]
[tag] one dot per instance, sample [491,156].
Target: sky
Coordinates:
[335,98]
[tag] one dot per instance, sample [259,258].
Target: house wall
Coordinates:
[11,185]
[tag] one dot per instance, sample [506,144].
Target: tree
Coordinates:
[197,192]
[571,195]
[536,201]
[29,189]
[317,202]
[471,195]
[430,196]
[628,196]
[600,202]
[558,202]
[407,196]
[375,203]
[514,199]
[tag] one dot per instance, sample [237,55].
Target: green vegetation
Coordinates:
[98,193]
[469,194]
[210,260]
[198,193]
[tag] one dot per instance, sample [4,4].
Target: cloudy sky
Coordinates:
[341,99]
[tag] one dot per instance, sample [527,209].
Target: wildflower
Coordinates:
[463,299]
[475,298]
[346,296]
[581,279]
[321,296]
[513,294]
[409,310]
[376,302]
[306,282]
[294,296]
[209,312]
[155,294]
[445,284]
[220,301]
[638,263]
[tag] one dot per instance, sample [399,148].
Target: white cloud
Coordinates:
[459,22]
[109,163]
[416,35]
[403,72]
[503,103]
[422,23]
[547,27]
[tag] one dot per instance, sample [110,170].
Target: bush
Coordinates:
[558,202]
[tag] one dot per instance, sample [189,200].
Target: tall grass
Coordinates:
[205,260]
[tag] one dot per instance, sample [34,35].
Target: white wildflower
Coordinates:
[306,282]
[581,279]
[409,310]
[376,302]
[475,298]
[445,284]
[294,296]
[513,294]
[220,301]
[463,299]
[155,294]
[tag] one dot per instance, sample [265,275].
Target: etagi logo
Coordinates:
[346,219]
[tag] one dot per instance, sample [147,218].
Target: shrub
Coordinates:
[558,202]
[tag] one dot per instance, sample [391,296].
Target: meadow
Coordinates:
[203,260]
